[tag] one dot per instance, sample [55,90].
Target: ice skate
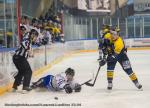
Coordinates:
[109,87]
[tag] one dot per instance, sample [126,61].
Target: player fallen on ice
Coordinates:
[114,48]
[63,81]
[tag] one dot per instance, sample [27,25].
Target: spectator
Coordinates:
[48,28]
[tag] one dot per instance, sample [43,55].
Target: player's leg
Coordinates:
[27,75]
[42,82]
[111,63]
[125,63]
[19,76]
[38,83]
[17,82]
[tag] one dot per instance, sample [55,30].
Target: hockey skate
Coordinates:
[26,90]
[109,87]
[34,85]
[13,90]
[38,83]
[139,86]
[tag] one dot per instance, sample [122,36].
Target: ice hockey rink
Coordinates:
[123,95]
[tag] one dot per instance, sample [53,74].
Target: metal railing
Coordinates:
[7,23]
[76,28]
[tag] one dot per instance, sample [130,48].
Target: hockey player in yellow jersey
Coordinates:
[114,48]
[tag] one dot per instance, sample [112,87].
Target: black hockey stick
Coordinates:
[92,84]
[83,83]
[86,82]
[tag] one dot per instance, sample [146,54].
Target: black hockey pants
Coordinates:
[24,71]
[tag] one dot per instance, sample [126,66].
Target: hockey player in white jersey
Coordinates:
[63,81]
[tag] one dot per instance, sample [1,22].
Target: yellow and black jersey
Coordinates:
[113,46]
[108,36]
[118,45]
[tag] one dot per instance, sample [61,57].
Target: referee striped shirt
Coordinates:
[24,48]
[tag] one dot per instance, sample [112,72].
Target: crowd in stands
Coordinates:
[48,28]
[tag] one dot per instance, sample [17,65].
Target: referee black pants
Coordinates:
[24,71]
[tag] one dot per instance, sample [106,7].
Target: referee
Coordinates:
[21,63]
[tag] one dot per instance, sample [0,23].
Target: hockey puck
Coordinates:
[56,98]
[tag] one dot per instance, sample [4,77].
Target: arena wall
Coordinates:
[47,56]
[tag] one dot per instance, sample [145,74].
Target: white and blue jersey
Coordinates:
[57,82]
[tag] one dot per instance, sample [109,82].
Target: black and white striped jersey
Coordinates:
[25,36]
[24,48]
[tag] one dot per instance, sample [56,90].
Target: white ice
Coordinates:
[123,95]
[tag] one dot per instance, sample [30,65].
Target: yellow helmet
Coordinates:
[105,28]
[117,29]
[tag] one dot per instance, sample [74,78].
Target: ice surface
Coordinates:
[123,95]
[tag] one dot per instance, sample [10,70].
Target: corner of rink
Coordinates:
[7,87]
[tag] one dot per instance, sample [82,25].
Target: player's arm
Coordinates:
[118,48]
[107,41]
[30,52]
[25,44]
[118,45]
[62,83]
[100,48]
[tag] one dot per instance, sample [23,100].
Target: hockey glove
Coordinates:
[103,61]
[77,87]
[100,55]
[67,88]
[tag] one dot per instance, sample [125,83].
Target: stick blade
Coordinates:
[89,84]
[86,81]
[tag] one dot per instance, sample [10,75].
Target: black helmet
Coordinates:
[22,28]
[70,71]
[34,20]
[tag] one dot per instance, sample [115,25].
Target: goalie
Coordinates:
[63,81]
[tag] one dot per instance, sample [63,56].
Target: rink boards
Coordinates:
[47,56]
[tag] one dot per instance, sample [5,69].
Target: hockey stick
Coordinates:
[86,82]
[83,83]
[92,84]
